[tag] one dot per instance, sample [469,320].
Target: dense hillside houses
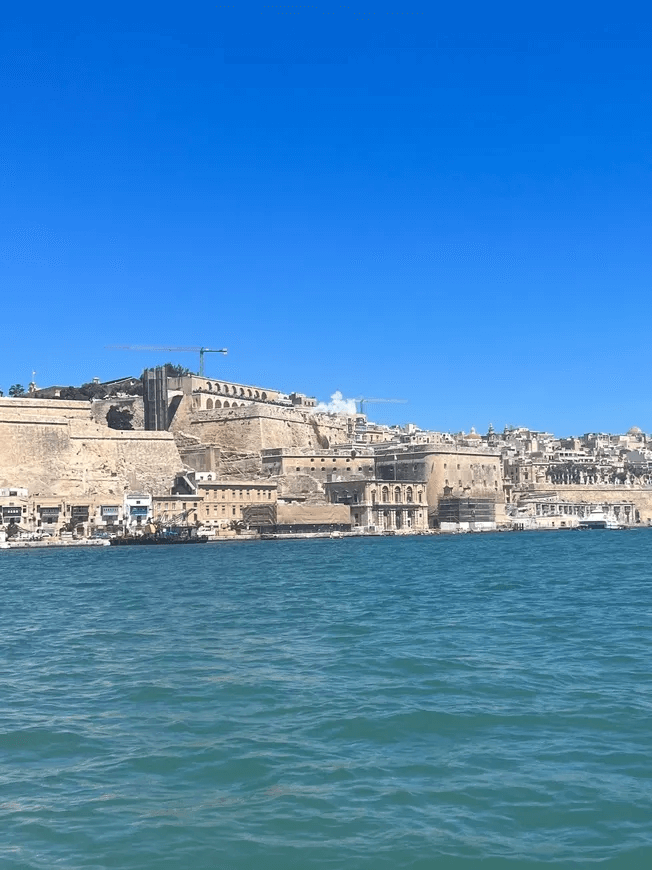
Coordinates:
[238,459]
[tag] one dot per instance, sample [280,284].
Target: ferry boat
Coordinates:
[597,519]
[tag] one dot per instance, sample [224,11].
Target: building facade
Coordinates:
[379,506]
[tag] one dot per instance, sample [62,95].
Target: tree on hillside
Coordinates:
[16,390]
[175,371]
[93,391]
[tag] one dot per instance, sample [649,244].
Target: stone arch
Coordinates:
[226,405]
[256,394]
[249,393]
[218,404]
[263,396]
[209,386]
[242,392]
[209,404]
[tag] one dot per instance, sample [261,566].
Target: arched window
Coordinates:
[218,404]
[249,393]
[209,386]
[226,405]
[385,494]
[263,396]
[256,394]
[209,404]
[397,494]
[373,496]
[408,494]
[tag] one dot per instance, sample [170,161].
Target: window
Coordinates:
[397,494]
[408,494]
[233,509]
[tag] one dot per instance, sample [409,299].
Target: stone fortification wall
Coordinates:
[70,456]
[248,430]
[640,497]
[42,409]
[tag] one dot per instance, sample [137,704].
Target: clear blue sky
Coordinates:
[451,207]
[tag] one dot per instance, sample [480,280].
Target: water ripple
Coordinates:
[362,704]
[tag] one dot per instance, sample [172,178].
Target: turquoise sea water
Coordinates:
[449,702]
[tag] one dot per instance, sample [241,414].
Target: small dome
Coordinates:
[634,431]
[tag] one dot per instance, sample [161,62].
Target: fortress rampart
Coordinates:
[255,427]
[54,447]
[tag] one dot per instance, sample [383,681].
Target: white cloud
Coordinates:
[337,405]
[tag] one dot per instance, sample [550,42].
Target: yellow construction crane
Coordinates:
[362,401]
[200,350]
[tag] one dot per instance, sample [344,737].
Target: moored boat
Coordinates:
[165,535]
[597,519]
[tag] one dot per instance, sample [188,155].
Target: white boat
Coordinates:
[597,519]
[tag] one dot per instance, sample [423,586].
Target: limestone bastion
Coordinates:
[54,447]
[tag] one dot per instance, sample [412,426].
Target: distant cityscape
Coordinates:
[238,461]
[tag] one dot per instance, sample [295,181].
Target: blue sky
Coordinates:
[451,207]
